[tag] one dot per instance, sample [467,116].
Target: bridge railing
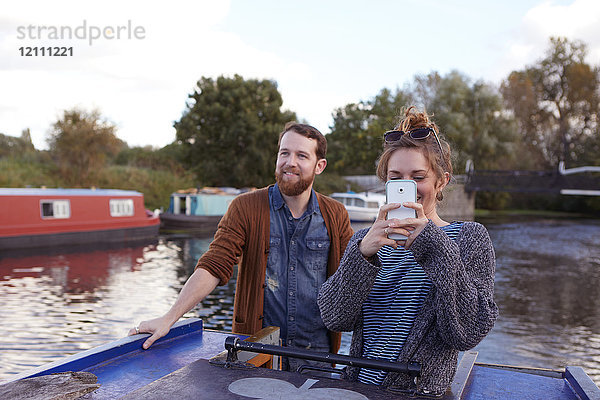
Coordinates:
[579,183]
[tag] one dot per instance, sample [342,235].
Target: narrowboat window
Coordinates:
[183,205]
[121,207]
[359,202]
[373,204]
[59,209]
[47,210]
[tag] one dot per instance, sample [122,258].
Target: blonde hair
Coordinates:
[438,158]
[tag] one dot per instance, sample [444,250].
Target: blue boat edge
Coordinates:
[96,355]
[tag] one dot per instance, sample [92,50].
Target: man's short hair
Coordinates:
[307,131]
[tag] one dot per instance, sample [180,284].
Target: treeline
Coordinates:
[85,152]
[227,136]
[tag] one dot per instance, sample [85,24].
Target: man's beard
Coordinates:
[293,188]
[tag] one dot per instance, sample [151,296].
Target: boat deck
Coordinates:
[178,365]
[139,368]
[123,366]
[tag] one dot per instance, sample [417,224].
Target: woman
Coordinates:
[422,299]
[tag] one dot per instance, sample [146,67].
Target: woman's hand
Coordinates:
[377,236]
[416,224]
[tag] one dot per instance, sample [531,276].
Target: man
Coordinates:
[290,239]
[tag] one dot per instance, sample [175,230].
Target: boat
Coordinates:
[363,206]
[44,218]
[197,209]
[193,363]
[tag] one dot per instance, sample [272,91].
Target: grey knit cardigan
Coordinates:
[456,315]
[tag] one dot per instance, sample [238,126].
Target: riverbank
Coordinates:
[499,215]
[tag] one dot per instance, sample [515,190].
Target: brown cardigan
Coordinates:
[244,232]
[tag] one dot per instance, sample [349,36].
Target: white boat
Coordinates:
[362,207]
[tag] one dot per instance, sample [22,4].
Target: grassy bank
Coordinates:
[156,185]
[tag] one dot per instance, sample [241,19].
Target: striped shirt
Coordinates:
[393,304]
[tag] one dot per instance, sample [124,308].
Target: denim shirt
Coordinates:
[296,269]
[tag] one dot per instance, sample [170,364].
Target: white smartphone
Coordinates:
[400,191]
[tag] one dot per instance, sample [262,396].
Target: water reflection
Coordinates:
[216,310]
[52,305]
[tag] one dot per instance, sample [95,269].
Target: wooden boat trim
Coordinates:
[268,335]
[461,378]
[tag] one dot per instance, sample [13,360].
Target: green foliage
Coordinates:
[230,130]
[356,137]
[492,200]
[157,185]
[557,105]
[471,118]
[12,146]
[29,169]
[80,143]
[469,115]
[167,158]
[330,182]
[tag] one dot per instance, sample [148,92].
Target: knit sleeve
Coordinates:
[342,295]
[462,272]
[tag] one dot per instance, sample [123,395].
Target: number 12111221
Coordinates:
[46,51]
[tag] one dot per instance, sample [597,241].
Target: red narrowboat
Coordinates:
[31,218]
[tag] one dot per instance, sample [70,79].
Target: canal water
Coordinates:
[53,305]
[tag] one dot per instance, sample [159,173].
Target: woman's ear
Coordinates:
[443,181]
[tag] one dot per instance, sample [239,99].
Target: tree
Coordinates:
[80,143]
[556,103]
[471,117]
[16,146]
[230,130]
[356,137]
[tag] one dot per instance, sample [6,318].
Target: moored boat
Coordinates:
[35,218]
[191,363]
[361,207]
[194,209]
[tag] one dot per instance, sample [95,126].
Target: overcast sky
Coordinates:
[323,54]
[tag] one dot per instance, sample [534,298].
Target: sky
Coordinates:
[137,61]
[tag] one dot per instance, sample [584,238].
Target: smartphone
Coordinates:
[400,191]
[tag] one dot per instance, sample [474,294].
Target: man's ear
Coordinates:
[320,167]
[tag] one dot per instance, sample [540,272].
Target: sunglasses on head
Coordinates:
[391,137]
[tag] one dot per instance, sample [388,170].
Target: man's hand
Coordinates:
[197,287]
[158,327]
